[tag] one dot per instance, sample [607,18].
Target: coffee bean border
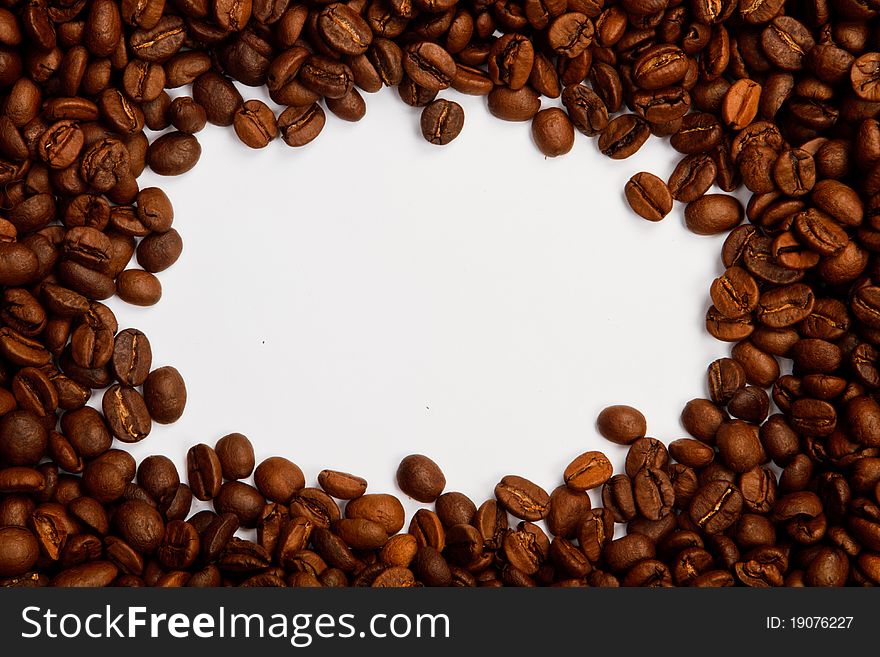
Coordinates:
[779,98]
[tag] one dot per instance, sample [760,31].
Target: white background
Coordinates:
[371,296]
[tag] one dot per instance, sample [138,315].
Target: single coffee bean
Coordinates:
[585,109]
[430,66]
[514,105]
[236,456]
[138,287]
[278,479]
[132,357]
[300,125]
[204,470]
[589,470]
[173,153]
[126,413]
[158,251]
[621,424]
[255,124]
[740,104]
[165,395]
[342,485]
[420,478]
[648,196]
[623,136]
[522,498]
[553,132]
[712,214]
[442,121]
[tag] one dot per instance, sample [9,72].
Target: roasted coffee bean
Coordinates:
[648,196]
[589,470]
[553,132]
[514,105]
[522,498]
[442,121]
[585,109]
[173,154]
[420,478]
[716,506]
[621,424]
[300,125]
[255,124]
[165,395]
[204,470]
[430,66]
[236,455]
[342,485]
[623,136]
[126,413]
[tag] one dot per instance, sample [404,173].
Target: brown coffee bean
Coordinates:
[138,287]
[514,105]
[623,136]
[300,125]
[255,124]
[522,498]
[342,485]
[165,395]
[740,104]
[385,510]
[429,65]
[621,424]
[510,61]
[589,470]
[126,414]
[204,470]
[420,478]
[648,196]
[157,252]
[174,153]
[278,479]
[442,121]
[716,506]
[236,456]
[553,132]
[712,214]
[343,29]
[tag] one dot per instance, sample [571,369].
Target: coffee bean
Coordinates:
[138,287]
[712,214]
[255,124]
[126,414]
[585,109]
[300,125]
[510,61]
[157,252]
[442,121]
[740,104]
[165,395]
[342,485]
[623,136]
[553,132]
[173,154]
[420,478]
[204,470]
[236,456]
[429,65]
[522,498]
[648,196]
[278,479]
[589,470]
[621,424]
[514,105]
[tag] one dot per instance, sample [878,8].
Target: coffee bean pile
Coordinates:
[779,98]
